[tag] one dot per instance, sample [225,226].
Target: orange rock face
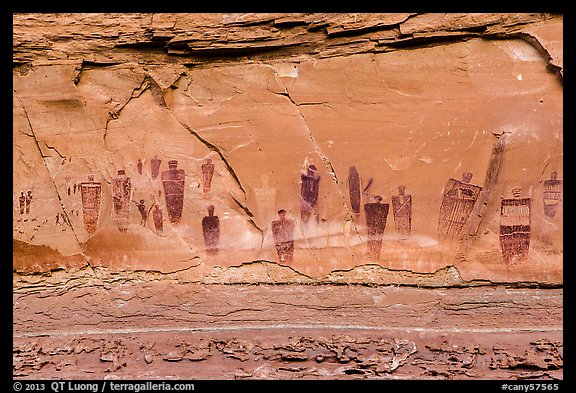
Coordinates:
[400,146]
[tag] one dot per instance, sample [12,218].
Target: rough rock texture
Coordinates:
[156,329]
[156,152]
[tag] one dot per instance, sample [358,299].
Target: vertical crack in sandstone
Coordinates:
[33,135]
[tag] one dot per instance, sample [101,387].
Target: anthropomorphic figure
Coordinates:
[207,173]
[283,232]
[155,167]
[457,204]
[211,231]
[28,201]
[158,217]
[402,207]
[173,183]
[354,189]
[376,216]
[552,194]
[22,202]
[91,193]
[515,227]
[309,193]
[143,212]
[121,189]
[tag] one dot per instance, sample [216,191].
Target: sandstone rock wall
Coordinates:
[463,111]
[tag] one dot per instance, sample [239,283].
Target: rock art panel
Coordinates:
[318,137]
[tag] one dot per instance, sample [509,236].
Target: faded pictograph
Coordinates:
[354,189]
[283,233]
[265,195]
[121,189]
[91,194]
[552,194]
[376,217]
[211,231]
[155,167]
[515,227]
[173,183]
[402,208]
[457,205]
[207,173]
[309,193]
[139,166]
[158,217]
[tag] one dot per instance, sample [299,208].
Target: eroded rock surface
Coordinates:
[161,330]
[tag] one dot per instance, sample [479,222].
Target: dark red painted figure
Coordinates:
[155,167]
[309,193]
[173,182]
[283,232]
[91,192]
[354,189]
[22,202]
[376,217]
[402,207]
[28,201]
[143,212]
[457,205]
[121,188]
[552,194]
[207,173]
[515,228]
[211,231]
[158,217]
[139,166]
